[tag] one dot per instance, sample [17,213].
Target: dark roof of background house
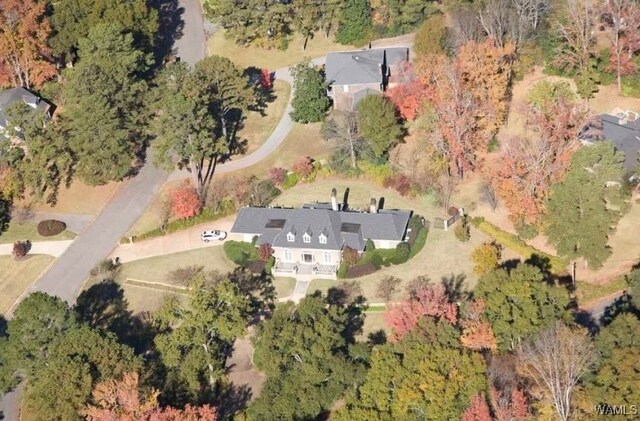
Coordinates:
[363,66]
[11,96]
[341,228]
[625,137]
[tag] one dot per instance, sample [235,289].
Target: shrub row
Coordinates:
[557,265]
[207,215]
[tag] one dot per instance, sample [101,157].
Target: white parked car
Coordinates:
[213,235]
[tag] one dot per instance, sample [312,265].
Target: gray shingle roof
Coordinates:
[363,66]
[384,225]
[10,96]
[625,137]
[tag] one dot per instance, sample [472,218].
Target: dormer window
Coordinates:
[291,237]
[306,238]
[323,239]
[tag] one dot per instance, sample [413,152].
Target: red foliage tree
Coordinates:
[398,182]
[121,400]
[277,175]
[20,249]
[477,411]
[185,202]
[266,81]
[350,256]
[265,251]
[25,57]
[303,166]
[528,167]
[430,301]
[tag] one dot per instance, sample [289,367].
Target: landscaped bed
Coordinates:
[29,231]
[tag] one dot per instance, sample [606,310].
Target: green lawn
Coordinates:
[29,231]
[18,275]
[272,59]
[284,286]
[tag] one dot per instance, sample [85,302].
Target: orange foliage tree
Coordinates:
[509,407]
[487,74]
[476,332]
[121,400]
[477,411]
[529,166]
[185,201]
[25,57]
[429,301]
[408,94]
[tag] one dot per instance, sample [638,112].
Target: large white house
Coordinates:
[310,240]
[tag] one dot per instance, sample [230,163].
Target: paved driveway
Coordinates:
[52,248]
[191,46]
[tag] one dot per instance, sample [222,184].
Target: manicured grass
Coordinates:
[587,292]
[29,231]
[156,269]
[258,126]
[143,299]
[284,286]
[321,285]
[79,198]
[373,322]
[272,59]
[508,240]
[240,252]
[17,275]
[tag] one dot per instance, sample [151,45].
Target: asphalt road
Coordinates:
[191,46]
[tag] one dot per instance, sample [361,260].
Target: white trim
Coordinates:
[291,237]
[288,257]
[306,238]
[323,239]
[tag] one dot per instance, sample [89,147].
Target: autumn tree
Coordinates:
[556,378]
[529,166]
[123,400]
[456,113]
[303,167]
[477,333]
[408,95]
[478,410]
[104,119]
[508,400]
[265,251]
[185,202]
[486,258]
[583,208]
[430,301]
[519,303]
[378,124]
[25,57]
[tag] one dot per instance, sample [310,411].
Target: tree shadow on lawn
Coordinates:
[104,307]
[170,28]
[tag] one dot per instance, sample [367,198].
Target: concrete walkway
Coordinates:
[52,248]
[185,240]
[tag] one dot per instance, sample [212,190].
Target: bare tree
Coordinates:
[489,196]
[343,128]
[465,27]
[386,287]
[577,30]
[512,21]
[555,361]
[164,211]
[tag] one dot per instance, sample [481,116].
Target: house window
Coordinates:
[346,88]
[307,257]
[287,256]
[306,238]
[290,237]
[323,239]
[327,257]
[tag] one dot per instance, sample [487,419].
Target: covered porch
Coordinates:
[316,270]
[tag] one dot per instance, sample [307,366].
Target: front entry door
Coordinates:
[307,257]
